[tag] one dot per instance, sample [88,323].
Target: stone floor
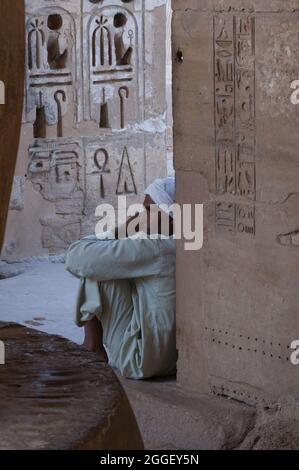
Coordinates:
[41,294]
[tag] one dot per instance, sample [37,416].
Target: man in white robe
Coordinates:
[126,298]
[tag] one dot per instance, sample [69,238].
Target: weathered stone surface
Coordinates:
[173,418]
[58,232]
[7,270]
[275,435]
[17,195]
[55,395]
[236,140]
[95,96]
[276,427]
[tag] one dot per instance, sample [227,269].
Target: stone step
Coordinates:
[170,417]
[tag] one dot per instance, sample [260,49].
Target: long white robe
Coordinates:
[129,285]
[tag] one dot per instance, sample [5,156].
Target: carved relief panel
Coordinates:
[53,95]
[111,73]
[74,46]
[85,133]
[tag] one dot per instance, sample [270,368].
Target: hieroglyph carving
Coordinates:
[235,136]
[84,65]
[126,180]
[51,68]
[113,66]
[56,171]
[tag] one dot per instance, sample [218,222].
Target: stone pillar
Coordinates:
[11,98]
[94,120]
[236,151]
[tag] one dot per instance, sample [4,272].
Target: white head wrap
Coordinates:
[162,191]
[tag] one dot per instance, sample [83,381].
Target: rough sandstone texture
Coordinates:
[57,396]
[94,118]
[173,418]
[236,151]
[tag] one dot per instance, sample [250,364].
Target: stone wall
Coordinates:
[94,120]
[236,150]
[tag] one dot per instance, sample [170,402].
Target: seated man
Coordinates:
[126,298]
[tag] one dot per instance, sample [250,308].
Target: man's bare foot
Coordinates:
[94,339]
[95,347]
[103,356]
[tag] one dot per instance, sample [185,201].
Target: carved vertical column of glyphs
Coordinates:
[234,75]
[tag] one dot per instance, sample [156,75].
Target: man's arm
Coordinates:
[105,260]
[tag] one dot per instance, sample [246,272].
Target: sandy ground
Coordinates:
[42,297]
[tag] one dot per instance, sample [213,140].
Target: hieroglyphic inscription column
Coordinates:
[234,56]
